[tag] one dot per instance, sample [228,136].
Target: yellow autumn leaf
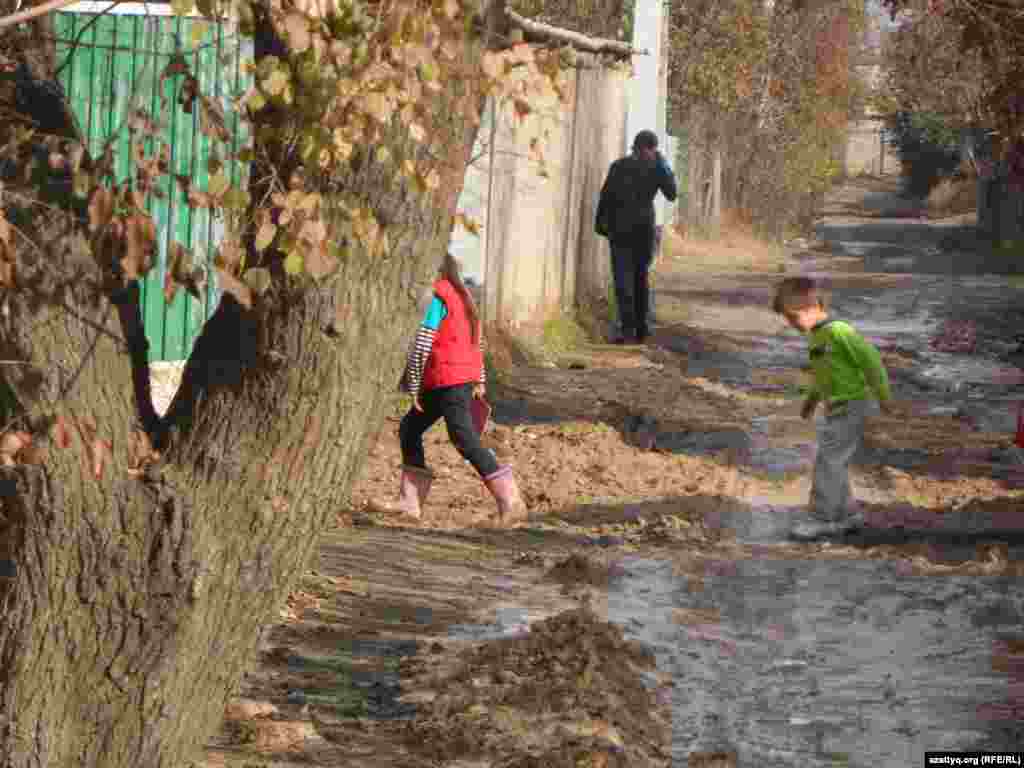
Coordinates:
[276,82]
[294,264]
[342,146]
[265,235]
[218,184]
[199,29]
[377,106]
[254,100]
[258,279]
[468,224]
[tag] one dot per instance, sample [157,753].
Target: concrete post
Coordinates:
[648,88]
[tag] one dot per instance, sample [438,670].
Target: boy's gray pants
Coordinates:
[840,435]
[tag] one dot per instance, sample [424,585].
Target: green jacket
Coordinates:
[846,367]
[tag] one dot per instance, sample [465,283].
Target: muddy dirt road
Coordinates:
[663,480]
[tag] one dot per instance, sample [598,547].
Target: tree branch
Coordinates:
[34,12]
[537,32]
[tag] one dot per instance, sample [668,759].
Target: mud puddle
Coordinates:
[799,662]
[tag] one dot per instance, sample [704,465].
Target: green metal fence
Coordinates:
[111,65]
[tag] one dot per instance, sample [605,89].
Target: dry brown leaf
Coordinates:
[296,27]
[181,273]
[11,444]
[139,246]
[229,256]
[211,119]
[170,287]
[176,66]
[101,209]
[234,286]
[187,94]
[319,262]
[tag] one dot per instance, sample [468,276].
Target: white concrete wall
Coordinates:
[465,246]
[538,250]
[864,149]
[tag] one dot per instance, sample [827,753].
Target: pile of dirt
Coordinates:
[571,692]
[580,569]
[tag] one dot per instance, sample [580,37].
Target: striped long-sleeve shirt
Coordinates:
[421,346]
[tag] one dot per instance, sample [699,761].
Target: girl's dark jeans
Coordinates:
[452,403]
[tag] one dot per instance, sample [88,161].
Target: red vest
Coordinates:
[455,358]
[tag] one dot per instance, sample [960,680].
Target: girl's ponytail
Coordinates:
[453,274]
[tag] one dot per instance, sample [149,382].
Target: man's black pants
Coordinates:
[453,404]
[631,263]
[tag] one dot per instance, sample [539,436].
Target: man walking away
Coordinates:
[625,215]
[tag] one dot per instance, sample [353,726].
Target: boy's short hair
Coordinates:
[796,292]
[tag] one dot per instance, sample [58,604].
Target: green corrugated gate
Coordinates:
[116,61]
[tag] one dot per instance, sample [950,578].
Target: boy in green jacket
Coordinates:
[847,372]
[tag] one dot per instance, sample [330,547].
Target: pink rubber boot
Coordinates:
[412,493]
[502,485]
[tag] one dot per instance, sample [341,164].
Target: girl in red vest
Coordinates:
[445,371]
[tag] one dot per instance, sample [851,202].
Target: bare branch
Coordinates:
[34,12]
[536,32]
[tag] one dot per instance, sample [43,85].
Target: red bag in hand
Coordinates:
[1020,426]
[480,410]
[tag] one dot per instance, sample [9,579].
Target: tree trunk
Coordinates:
[695,177]
[716,189]
[131,605]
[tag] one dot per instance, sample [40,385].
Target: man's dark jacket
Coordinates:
[625,210]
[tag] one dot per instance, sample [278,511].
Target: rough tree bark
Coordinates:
[130,605]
